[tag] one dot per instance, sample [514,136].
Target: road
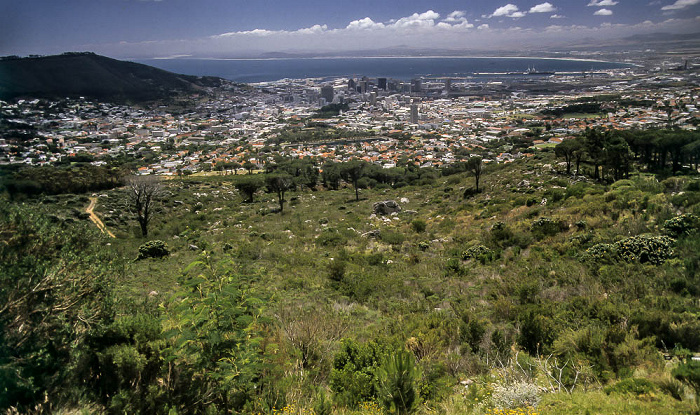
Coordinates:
[101,226]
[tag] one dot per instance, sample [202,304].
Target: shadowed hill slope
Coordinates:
[92,76]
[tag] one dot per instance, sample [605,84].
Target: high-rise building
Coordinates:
[327,93]
[363,86]
[381,83]
[352,85]
[448,84]
[414,112]
[416,85]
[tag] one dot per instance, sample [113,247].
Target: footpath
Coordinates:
[97,221]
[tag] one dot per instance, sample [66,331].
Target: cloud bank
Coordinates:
[427,30]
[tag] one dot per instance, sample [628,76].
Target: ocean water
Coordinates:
[265,70]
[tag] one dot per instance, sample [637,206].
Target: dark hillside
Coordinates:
[91,76]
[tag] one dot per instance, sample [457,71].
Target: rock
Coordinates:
[524,183]
[404,200]
[386,207]
[153,293]
[194,248]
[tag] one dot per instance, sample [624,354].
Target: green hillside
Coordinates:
[91,76]
[542,293]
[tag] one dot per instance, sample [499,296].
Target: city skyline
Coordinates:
[219,28]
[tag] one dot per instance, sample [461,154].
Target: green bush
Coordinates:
[682,225]
[396,382]
[634,386]
[153,249]
[645,249]
[393,238]
[547,227]
[353,375]
[652,249]
[418,225]
[480,253]
[330,237]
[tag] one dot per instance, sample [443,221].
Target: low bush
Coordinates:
[153,249]
[516,395]
[633,386]
[645,249]
[682,225]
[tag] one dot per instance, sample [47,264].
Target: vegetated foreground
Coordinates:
[543,293]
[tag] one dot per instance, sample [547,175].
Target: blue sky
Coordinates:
[163,28]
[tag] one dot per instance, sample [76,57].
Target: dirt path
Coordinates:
[101,226]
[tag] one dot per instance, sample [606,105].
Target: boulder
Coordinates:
[386,207]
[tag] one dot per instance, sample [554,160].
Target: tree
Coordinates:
[249,166]
[617,157]
[352,171]
[248,185]
[569,149]
[143,193]
[331,176]
[396,382]
[474,165]
[279,183]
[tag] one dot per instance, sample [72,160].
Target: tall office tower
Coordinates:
[392,85]
[406,88]
[381,83]
[327,93]
[363,86]
[373,98]
[416,85]
[352,85]
[414,113]
[448,85]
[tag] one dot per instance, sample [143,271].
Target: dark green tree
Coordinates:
[352,171]
[569,149]
[279,183]
[396,382]
[474,166]
[248,185]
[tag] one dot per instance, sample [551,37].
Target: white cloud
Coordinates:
[603,12]
[426,19]
[455,16]
[509,10]
[364,24]
[315,29]
[556,16]
[602,3]
[543,8]
[681,4]
[365,33]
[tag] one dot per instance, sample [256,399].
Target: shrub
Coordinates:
[396,382]
[682,225]
[153,249]
[634,386]
[652,249]
[393,238]
[516,395]
[418,225]
[645,249]
[480,253]
[547,227]
[330,237]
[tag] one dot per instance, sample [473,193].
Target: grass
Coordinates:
[321,257]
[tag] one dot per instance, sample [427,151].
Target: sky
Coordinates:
[236,28]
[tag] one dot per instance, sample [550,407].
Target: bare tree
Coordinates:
[143,192]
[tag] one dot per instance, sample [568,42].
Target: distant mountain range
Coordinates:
[85,74]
